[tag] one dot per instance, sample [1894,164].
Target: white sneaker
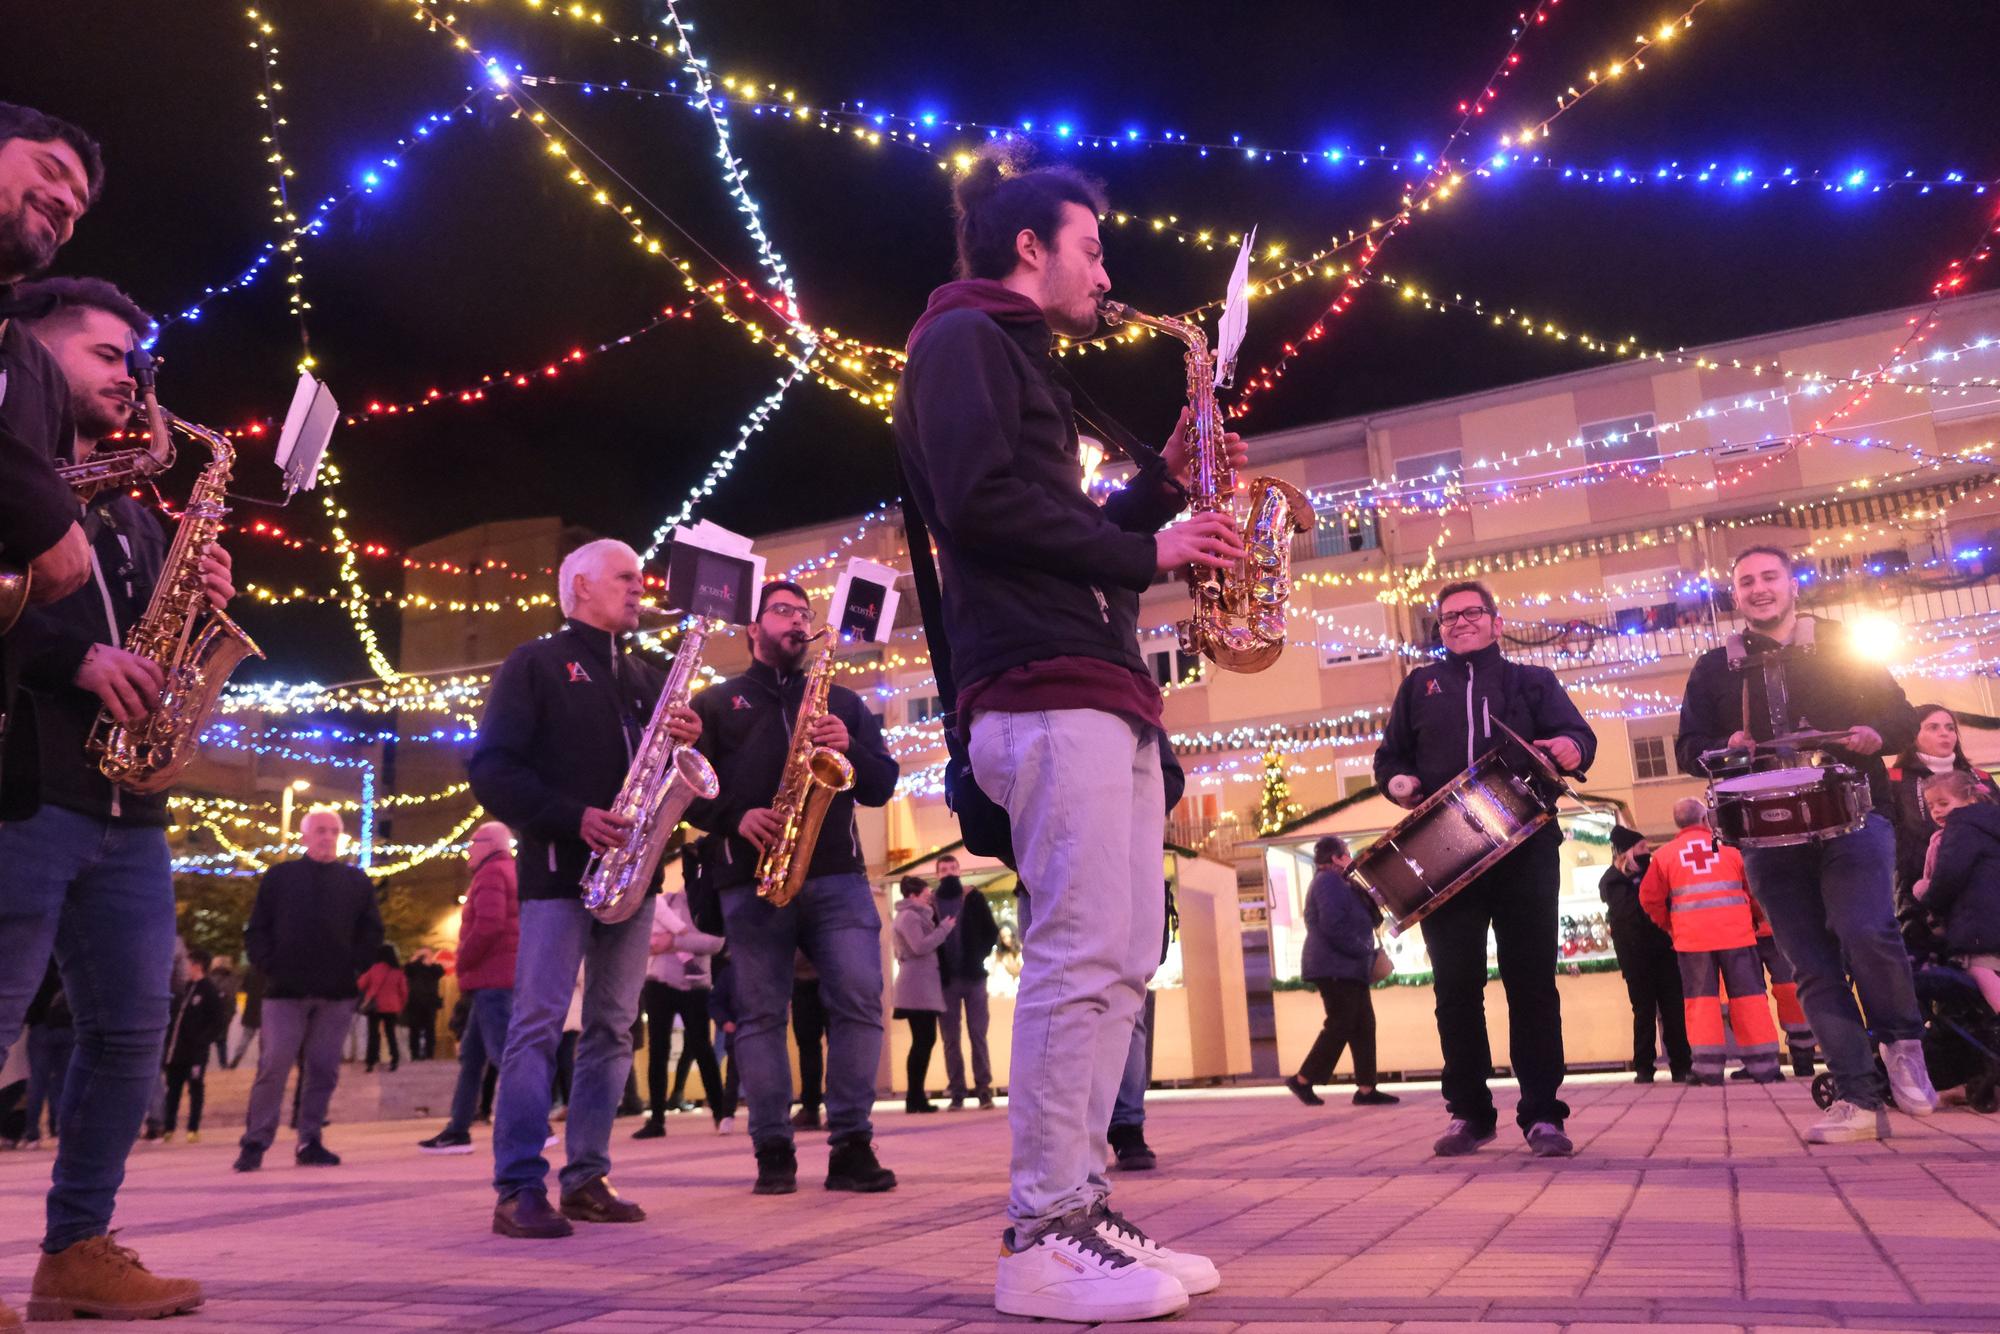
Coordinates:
[1909,1077]
[1195,1273]
[1070,1272]
[1847,1124]
[552,1141]
[726,1126]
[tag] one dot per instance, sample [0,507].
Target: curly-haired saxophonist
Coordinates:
[748,722]
[87,874]
[555,743]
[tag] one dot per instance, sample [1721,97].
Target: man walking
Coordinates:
[313,931]
[489,934]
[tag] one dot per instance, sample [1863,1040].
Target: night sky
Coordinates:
[477,256]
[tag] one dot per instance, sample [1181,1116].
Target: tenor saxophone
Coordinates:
[813,775]
[195,645]
[664,780]
[1238,620]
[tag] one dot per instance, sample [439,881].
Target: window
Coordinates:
[922,709]
[1169,664]
[1353,634]
[1628,440]
[1650,759]
[1443,466]
[1339,531]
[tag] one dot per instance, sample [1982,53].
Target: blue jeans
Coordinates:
[1130,1109]
[835,921]
[485,1037]
[1834,900]
[102,897]
[1083,791]
[557,937]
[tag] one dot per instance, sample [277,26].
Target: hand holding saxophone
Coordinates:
[1210,540]
[683,725]
[216,578]
[1179,450]
[604,830]
[759,827]
[127,684]
[830,732]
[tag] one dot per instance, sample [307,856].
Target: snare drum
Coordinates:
[1458,831]
[1782,808]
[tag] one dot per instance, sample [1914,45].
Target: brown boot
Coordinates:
[98,1277]
[10,1321]
[596,1202]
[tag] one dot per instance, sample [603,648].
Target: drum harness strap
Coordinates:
[1776,700]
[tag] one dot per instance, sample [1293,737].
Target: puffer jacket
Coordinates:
[919,984]
[1965,881]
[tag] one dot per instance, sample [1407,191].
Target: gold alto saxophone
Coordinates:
[813,774]
[196,646]
[1238,621]
[664,780]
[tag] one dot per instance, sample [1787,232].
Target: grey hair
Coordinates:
[580,561]
[1689,812]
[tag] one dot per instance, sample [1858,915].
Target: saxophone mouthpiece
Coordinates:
[1112,312]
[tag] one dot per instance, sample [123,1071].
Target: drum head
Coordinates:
[1770,779]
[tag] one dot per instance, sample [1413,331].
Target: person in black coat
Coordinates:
[1441,722]
[1963,884]
[426,978]
[1646,961]
[200,1018]
[1339,960]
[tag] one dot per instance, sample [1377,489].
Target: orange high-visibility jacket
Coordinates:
[1696,891]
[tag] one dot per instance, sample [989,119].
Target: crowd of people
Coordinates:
[1059,762]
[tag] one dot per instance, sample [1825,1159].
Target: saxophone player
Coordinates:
[747,726]
[88,873]
[558,735]
[1041,603]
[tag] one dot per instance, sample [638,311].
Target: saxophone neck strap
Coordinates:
[1092,414]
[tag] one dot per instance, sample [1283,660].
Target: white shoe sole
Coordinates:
[1054,1306]
[446,1149]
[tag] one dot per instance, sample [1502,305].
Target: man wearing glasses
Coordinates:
[747,725]
[1443,720]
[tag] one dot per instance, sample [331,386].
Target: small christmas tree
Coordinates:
[1276,809]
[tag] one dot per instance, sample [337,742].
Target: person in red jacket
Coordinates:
[1695,890]
[1800,1044]
[489,936]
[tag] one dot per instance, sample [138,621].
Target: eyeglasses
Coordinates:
[1467,616]
[789,612]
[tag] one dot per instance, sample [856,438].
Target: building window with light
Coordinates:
[1650,760]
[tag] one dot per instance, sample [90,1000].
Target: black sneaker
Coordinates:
[1802,1064]
[248,1159]
[655,1128]
[853,1166]
[1643,1077]
[314,1154]
[1546,1140]
[446,1141]
[986,1103]
[1134,1154]
[1374,1098]
[806,1118]
[1304,1092]
[1460,1138]
[1741,1072]
[777,1169]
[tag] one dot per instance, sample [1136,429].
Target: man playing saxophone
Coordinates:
[562,722]
[1041,604]
[747,729]
[88,874]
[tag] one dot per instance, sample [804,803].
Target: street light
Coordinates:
[292,789]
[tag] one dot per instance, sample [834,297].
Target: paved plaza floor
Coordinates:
[1687,1207]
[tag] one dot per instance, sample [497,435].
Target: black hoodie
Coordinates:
[1965,883]
[746,733]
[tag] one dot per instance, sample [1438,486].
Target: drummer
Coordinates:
[1443,719]
[1831,898]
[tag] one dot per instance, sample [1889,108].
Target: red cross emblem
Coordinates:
[1698,855]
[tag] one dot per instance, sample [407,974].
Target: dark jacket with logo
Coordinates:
[746,732]
[1965,882]
[1031,567]
[1827,688]
[127,547]
[1444,713]
[313,930]
[562,721]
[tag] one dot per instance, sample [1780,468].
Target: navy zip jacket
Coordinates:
[1829,689]
[127,546]
[1031,568]
[1965,884]
[313,930]
[1340,931]
[746,731]
[1444,712]
[561,725]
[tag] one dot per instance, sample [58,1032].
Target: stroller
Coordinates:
[1961,1038]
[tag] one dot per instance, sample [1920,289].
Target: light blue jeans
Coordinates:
[557,937]
[835,921]
[1082,789]
[1833,912]
[101,896]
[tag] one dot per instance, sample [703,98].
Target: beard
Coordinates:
[96,416]
[23,255]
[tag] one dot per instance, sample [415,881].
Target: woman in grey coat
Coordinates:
[919,993]
[1338,959]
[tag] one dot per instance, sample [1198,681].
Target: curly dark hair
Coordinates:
[999,196]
